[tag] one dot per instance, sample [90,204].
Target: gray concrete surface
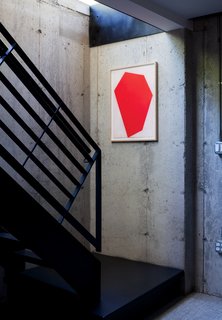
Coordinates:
[143,182]
[54,34]
[196,306]
[145,213]
[209,165]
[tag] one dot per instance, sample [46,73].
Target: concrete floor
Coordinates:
[196,306]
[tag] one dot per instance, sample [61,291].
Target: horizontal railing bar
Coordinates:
[36,142]
[45,83]
[31,180]
[40,122]
[82,230]
[45,194]
[47,105]
[36,138]
[81,182]
[74,120]
[34,159]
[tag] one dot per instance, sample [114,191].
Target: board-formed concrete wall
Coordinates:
[209,165]
[143,182]
[147,200]
[54,34]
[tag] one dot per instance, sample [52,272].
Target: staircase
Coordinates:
[46,158]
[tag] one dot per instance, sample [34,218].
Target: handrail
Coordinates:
[85,152]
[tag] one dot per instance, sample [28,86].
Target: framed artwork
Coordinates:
[134,103]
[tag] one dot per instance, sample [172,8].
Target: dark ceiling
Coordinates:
[166,14]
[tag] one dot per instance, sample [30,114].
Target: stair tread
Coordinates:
[29,256]
[48,276]
[42,233]
[28,253]
[8,236]
[9,243]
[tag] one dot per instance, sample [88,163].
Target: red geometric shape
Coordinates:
[133,95]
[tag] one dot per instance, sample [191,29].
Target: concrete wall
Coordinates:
[143,183]
[54,34]
[209,165]
[148,188]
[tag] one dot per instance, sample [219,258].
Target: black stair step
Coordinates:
[8,245]
[129,290]
[13,247]
[48,277]
[28,255]
[43,290]
[50,240]
[9,241]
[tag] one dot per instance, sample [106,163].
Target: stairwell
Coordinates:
[46,266]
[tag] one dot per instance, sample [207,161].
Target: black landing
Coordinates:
[129,290]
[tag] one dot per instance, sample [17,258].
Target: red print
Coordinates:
[133,95]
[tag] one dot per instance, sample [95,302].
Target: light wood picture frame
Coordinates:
[134,103]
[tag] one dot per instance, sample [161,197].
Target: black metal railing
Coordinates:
[39,131]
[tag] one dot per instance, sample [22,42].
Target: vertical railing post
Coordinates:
[99,202]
